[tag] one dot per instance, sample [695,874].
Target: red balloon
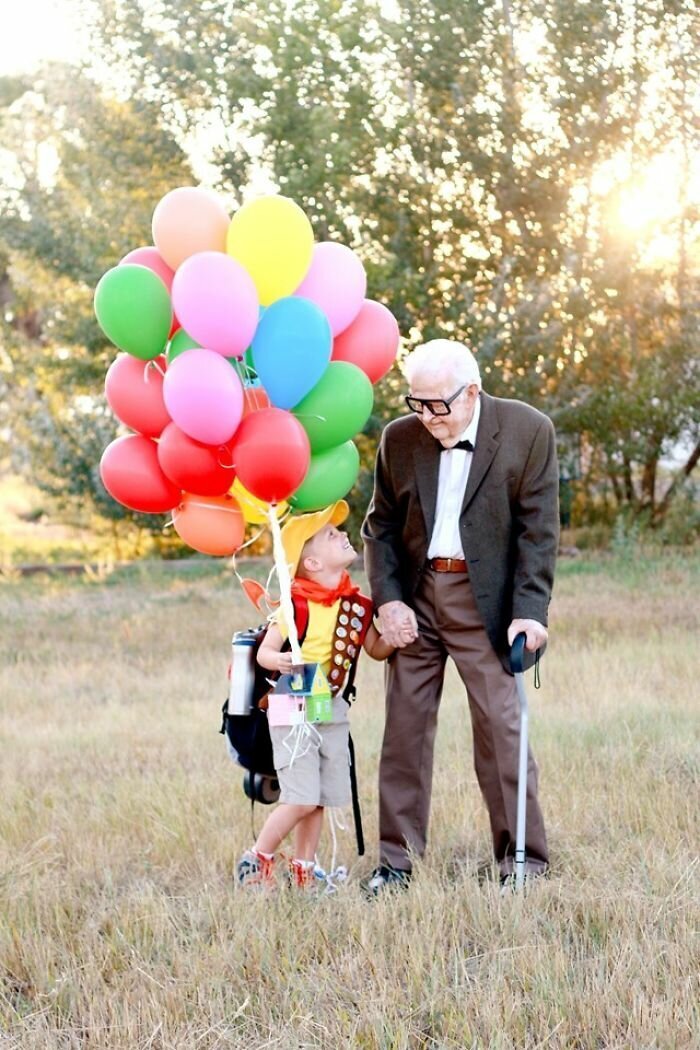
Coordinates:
[134,390]
[370,342]
[206,470]
[271,453]
[131,474]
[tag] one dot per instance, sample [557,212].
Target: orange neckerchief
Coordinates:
[316,592]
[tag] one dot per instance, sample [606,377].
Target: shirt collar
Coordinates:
[470,433]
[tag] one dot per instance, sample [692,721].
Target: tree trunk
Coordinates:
[686,470]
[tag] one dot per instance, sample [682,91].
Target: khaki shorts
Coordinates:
[320,775]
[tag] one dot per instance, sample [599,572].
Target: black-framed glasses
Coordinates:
[436,405]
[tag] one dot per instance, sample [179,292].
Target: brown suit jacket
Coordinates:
[509,522]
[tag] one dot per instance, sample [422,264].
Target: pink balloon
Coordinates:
[336,281]
[151,258]
[371,342]
[204,396]
[134,390]
[216,301]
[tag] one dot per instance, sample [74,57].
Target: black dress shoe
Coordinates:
[385,878]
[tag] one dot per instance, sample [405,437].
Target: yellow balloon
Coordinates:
[273,239]
[254,510]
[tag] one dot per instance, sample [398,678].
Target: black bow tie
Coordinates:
[465,446]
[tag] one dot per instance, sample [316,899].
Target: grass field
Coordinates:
[122,816]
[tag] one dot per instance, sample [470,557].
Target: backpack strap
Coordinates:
[301,616]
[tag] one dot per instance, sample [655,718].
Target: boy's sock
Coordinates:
[256,869]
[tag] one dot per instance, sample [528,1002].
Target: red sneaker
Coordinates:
[302,875]
[256,871]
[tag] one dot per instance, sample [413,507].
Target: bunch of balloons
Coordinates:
[249,358]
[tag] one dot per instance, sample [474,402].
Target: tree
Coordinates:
[459,146]
[477,153]
[84,173]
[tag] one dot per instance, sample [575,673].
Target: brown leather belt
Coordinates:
[447,564]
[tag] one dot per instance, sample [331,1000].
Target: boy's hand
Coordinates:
[284,663]
[398,625]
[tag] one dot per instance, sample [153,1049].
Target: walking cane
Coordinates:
[516,665]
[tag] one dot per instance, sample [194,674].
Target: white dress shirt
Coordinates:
[455,464]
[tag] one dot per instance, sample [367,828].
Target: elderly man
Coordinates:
[460,544]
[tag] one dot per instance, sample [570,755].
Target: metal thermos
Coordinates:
[240,697]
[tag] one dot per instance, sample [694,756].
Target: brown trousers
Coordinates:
[450,625]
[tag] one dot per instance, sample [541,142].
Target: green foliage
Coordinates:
[456,146]
[87,171]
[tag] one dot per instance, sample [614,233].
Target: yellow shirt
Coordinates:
[317,647]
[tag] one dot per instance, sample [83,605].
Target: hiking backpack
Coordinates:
[248,735]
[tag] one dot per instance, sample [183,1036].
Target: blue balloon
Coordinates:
[291,349]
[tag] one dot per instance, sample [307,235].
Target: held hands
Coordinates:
[536,634]
[398,625]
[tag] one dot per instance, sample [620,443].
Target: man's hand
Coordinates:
[398,624]
[536,633]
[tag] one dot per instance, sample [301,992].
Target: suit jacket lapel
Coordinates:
[485,448]
[426,455]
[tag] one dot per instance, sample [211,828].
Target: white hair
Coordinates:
[442,357]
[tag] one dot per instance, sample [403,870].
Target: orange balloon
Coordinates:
[189,219]
[254,398]
[210,524]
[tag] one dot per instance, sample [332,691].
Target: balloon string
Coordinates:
[243,546]
[285,585]
[268,581]
[236,363]
[152,364]
[250,395]
[243,373]
[207,506]
[250,501]
[311,415]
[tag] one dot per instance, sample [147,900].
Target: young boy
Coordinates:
[339,621]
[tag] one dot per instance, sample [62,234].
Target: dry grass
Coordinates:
[122,816]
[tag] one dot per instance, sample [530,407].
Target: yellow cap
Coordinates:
[298,530]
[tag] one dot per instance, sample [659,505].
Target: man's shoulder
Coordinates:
[401,430]
[513,413]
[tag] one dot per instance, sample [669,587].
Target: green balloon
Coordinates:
[132,306]
[338,406]
[330,476]
[180,342]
